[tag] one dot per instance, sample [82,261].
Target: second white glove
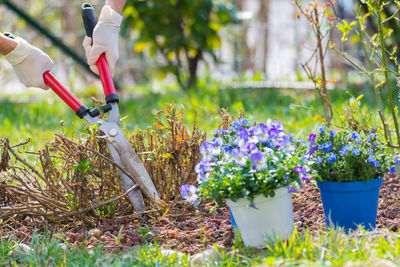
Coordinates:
[29,63]
[105,39]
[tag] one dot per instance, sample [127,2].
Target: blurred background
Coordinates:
[236,54]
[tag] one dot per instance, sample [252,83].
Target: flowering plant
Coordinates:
[345,156]
[245,160]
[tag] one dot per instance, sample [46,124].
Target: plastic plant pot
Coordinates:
[350,204]
[271,219]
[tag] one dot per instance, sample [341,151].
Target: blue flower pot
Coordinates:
[350,204]
[234,226]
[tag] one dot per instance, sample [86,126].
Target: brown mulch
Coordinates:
[190,229]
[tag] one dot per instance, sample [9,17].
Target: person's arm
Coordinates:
[117,5]
[6,44]
[28,62]
[105,35]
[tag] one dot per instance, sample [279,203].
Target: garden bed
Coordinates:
[191,230]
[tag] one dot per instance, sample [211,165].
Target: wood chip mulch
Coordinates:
[191,230]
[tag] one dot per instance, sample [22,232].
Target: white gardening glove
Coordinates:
[29,63]
[105,39]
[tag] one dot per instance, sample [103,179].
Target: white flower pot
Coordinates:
[273,218]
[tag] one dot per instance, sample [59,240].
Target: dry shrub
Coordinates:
[69,179]
[169,151]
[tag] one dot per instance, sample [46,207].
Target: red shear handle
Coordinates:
[106,79]
[74,103]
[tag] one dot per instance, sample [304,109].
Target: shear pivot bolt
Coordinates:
[112,132]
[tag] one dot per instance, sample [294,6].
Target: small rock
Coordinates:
[383,263]
[170,252]
[206,255]
[63,246]
[95,232]
[22,249]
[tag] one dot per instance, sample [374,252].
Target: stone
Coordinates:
[94,232]
[170,252]
[22,249]
[204,256]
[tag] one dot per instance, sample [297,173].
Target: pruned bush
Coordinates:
[169,151]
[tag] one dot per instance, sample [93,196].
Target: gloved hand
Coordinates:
[29,63]
[105,39]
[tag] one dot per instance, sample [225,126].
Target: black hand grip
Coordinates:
[9,35]
[89,18]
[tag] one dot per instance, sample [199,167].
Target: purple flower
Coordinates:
[188,192]
[359,142]
[276,125]
[254,206]
[249,148]
[291,189]
[207,149]
[218,141]
[202,168]
[255,131]
[331,158]
[311,139]
[239,157]
[258,161]
[278,137]
[242,135]
[263,135]
[302,172]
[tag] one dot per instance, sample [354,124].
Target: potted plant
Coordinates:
[349,168]
[254,167]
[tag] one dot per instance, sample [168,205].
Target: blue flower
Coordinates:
[331,158]
[359,142]
[355,135]
[188,192]
[258,161]
[328,146]
[393,169]
[373,161]
[332,133]
[321,129]
[319,160]
[373,135]
[345,149]
[228,148]
[356,152]
[396,159]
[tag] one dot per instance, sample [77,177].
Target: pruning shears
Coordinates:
[120,149]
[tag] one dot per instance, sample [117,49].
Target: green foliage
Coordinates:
[182,31]
[346,156]
[317,248]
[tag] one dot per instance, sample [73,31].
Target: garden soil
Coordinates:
[187,229]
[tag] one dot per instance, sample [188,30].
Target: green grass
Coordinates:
[321,248]
[39,119]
